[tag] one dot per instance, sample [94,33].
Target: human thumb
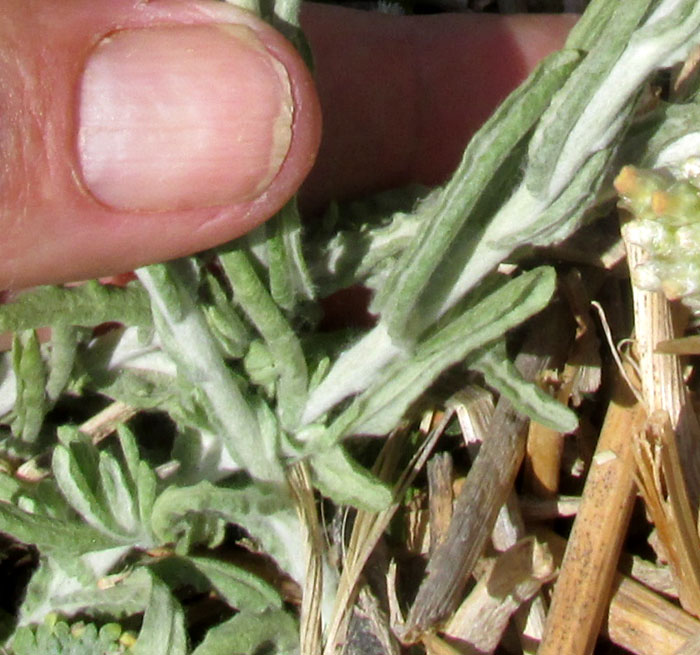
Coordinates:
[139,131]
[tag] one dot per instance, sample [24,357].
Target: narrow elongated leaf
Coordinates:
[119,494]
[526,397]
[385,402]
[31,403]
[163,629]
[64,346]
[250,293]
[447,214]
[79,489]
[188,339]
[87,305]
[290,282]
[569,113]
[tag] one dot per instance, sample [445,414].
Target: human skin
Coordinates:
[400,97]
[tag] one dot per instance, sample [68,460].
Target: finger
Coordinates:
[402,95]
[136,131]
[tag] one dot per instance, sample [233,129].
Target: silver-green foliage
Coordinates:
[227,344]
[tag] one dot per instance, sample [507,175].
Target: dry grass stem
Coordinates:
[310,623]
[638,619]
[663,387]
[546,509]
[661,483]
[543,459]
[656,577]
[530,617]
[105,422]
[645,623]
[587,572]
[369,527]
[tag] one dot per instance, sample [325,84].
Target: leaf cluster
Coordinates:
[226,349]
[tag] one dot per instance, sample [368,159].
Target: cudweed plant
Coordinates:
[226,345]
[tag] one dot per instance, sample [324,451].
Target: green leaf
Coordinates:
[569,110]
[114,498]
[88,305]
[118,494]
[31,403]
[79,484]
[273,633]
[163,629]
[64,347]
[265,512]
[49,533]
[501,374]
[430,258]
[54,587]
[290,282]
[188,340]
[345,482]
[484,320]
[233,334]
[254,299]
[241,589]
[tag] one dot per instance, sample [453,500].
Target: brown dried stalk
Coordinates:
[661,483]
[663,387]
[638,619]
[509,580]
[583,586]
[486,488]
[440,497]
[105,422]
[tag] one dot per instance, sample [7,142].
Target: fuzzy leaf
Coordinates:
[241,589]
[49,533]
[290,282]
[526,397]
[31,403]
[88,305]
[346,483]
[265,512]
[273,633]
[163,629]
[55,588]
[254,299]
[64,347]
[427,271]
[188,340]
[484,319]
[80,487]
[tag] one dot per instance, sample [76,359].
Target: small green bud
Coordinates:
[665,209]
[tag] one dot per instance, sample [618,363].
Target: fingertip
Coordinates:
[114,184]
